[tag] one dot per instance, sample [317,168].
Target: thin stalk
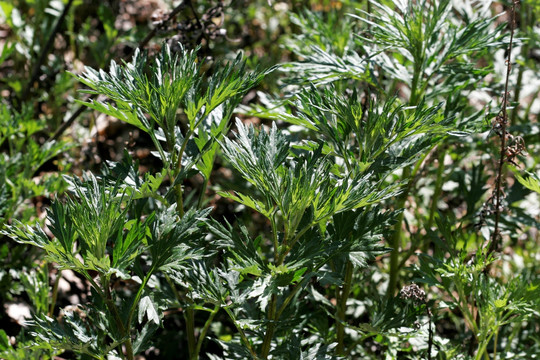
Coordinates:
[416,92]
[138,297]
[267,342]
[178,188]
[436,195]
[395,241]
[438,188]
[464,307]
[174,289]
[342,307]
[54,294]
[495,344]
[117,319]
[430,332]
[529,107]
[293,242]
[289,298]
[275,236]
[358,341]
[159,149]
[510,338]
[493,245]
[205,331]
[189,315]
[524,21]
[242,334]
[286,302]
[202,193]
[272,307]
[482,350]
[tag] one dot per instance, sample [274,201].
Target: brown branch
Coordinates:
[502,121]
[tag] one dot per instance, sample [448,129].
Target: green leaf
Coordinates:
[238,246]
[144,338]
[124,112]
[229,82]
[61,225]
[25,234]
[4,341]
[97,213]
[171,237]
[148,308]
[531,182]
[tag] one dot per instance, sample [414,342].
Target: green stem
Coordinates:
[396,239]
[178,188]
[174,289]
[202,193]
[495,344]
[275,236]
[189,315]
[436,195]
[463,306]
[138,297]
[54,293]
[205,331]
[482,349]
[293,242]
[342,307]
[159,148]
[398,232]
[415,94]
[118,319]
[242,334]
[267,342]
[290,297]
[438,188]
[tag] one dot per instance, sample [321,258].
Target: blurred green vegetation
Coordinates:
[346,70]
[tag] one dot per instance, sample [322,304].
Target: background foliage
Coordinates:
[269,179]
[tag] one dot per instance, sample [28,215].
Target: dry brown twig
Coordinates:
[510,147]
